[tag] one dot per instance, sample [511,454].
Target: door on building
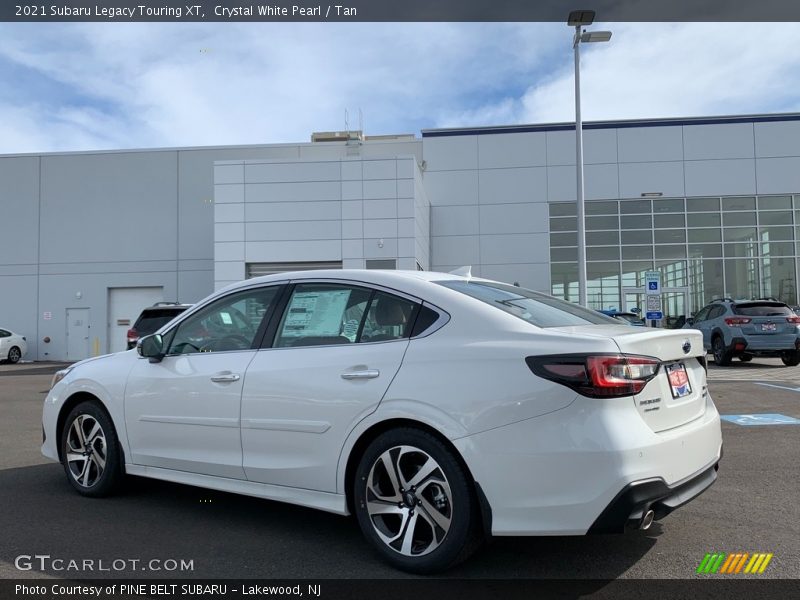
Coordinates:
[675,305]
[124,306]
[77,334]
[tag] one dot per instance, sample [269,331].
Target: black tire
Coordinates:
[14,354]
[96,470]
[453,502]
[721,356]
[746,357]
[790,358]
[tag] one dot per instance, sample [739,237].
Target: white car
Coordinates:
[12,346]
[439,409]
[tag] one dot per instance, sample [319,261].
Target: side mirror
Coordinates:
[151,347]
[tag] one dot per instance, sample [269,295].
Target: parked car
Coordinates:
[434,407]
[12,346]
[748,328]
[627,317]
[154,318]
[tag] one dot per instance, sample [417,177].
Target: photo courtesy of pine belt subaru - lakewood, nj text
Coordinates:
[438,409]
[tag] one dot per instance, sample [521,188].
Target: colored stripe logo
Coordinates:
[734,563]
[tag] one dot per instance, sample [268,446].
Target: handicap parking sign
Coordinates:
[761,419]
[653,285]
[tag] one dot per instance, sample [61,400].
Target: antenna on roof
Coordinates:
[463,271]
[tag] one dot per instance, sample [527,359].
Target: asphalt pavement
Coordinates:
[753,507]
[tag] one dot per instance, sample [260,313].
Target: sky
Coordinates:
[98,86]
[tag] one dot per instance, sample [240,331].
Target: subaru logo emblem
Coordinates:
[687,346]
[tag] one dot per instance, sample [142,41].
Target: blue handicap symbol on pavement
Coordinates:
[762,419]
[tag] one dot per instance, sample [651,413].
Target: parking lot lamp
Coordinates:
[579,19]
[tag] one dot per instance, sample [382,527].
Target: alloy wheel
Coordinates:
[86,450]
[14,355]
[409,501]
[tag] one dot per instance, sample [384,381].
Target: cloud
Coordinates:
[669,70]
[76,86]
[179,84]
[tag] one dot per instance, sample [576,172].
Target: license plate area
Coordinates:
[768,327]
[678,380]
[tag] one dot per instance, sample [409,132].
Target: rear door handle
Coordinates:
[225,377]
[366,374]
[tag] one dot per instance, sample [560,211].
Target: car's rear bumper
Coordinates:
[764,345]
[557,474]
[628,508]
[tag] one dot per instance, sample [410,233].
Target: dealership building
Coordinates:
[91,238]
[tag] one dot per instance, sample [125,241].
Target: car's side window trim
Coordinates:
[362,284]
[268,318]
[271,329]
[365,315]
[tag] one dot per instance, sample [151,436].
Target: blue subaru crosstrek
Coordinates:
[747,328]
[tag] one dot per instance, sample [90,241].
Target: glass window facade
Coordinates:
[705,248]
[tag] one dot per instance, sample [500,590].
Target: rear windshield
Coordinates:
[630,318]
[152,320]
[536,308]
[762,309]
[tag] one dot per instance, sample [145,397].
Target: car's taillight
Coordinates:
[597,375]
[793,320]
[737,320]
[133,335]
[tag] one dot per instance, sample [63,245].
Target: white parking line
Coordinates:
[783,387]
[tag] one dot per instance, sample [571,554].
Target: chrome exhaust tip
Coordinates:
[647,520]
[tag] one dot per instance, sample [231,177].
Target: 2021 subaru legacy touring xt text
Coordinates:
[437,408]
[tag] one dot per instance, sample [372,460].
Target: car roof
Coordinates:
[167,307]
[741,301]
[406,280]
[364,274]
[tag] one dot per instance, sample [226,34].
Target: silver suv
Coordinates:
[748,328]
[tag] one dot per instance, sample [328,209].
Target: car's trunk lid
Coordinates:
[677,394]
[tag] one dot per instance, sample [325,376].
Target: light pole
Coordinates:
[578,19]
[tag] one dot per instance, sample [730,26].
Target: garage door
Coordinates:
[124,306]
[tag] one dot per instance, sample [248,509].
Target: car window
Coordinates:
[716,312]
[4,333]
[426,317]
[629,318]
[152,320]
[322,315]
[536,308]
[702,314]
[388,318]
[332,314]
[763,309]
[229,323]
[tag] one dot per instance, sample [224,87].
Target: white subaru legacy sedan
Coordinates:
[438,409]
